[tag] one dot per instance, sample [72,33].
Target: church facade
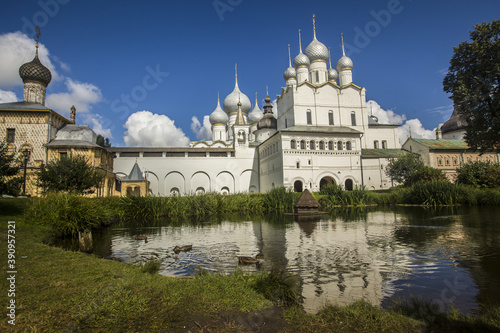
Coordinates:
[321,133]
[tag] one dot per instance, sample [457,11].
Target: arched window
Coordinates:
[293,144]
[309,117]
[353,118]
[348,145]
[302,144]
[447,161]
[384,144]
[330,145]
[312,145]
[330,117]
[455,160]
[375,144]
[440,161]
[297,164]
[322,145]
[339,145]
[349,185]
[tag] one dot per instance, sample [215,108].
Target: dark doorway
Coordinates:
[326,181]
[348,185]
[297,186]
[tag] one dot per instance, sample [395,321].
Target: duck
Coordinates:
[145,237]
[250,260]
[184,248]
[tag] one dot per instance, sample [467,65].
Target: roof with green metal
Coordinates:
[443,143]
[381,153]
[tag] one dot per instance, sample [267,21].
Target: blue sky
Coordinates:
[113,59]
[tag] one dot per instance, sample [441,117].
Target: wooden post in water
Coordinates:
[85,240]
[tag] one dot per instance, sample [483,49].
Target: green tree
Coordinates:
[402,168]
[472,80]
[426,174]
[9,167]
[479,174]
[103,142]
[69,174]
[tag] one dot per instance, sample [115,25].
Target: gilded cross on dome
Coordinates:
[38,34]
[314,25]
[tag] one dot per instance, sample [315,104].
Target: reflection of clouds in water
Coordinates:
[380,255]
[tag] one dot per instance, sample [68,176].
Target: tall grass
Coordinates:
[334,195]
[279,199]
[67,214]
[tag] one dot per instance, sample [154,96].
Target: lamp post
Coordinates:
[26,157]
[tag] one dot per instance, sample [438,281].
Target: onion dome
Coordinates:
[455,123]
[301,60]
[230,104]
[344,62]
[35,71]
[218,116]
[333,75]
[256,113]
[316,51]
[290,72]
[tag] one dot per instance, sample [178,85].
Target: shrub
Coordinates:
[479,174]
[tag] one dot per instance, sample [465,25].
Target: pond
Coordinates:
[449,255]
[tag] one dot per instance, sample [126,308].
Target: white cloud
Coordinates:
[97,125]
[384,117]
[16,49]
[444,111]
[202,132]
[81,95]
[7,96]
[417,131]
[144,128]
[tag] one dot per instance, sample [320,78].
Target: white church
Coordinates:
[321,133]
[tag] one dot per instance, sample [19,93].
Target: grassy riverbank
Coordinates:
[59,290]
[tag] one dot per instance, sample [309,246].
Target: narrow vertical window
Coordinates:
[286,123]
[375,144]
[312,145]
[384,144]
[330,117]
[317,77]
[321,145]
[339,145]
[309,117]
[302,144]
[353,118]
[330,145]
[293,144]
[348,145]
[11,135]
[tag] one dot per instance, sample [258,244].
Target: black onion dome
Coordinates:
[35,71]
[456,122]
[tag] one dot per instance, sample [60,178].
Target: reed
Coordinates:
[67,214]
[279,199]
